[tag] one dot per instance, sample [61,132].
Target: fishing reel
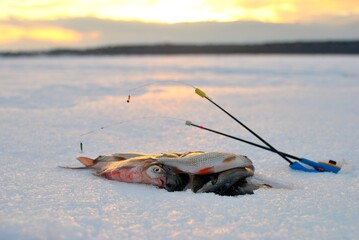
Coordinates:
[330,166]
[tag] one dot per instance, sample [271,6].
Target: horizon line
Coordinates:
[326,46]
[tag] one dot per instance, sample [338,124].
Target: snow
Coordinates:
[304,105]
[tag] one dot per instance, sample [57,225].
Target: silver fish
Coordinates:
[202,163]
[217,172]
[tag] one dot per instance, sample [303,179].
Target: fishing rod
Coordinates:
[318,166]
[203,95]
[329,166]
[189,123]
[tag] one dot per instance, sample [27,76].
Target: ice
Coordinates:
[304,105]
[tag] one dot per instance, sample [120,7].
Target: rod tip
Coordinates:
[200,92]
[188,123]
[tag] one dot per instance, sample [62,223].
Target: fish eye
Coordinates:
[156,169]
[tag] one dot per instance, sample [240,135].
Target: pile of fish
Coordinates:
[222,173]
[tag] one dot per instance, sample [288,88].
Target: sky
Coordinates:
[46,24]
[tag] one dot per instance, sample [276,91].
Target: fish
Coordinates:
[222,173]
[203,163]
[134,168]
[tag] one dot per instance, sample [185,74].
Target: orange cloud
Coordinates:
[48,34]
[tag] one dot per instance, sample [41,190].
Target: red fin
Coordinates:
[203,171]
[88,162]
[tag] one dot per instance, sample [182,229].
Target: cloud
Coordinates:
[288,11]
[92,32]
[42,33]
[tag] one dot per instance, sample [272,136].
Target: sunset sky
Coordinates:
[43,24]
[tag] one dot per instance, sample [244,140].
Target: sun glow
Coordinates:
[174,11]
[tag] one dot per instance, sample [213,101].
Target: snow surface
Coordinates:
[304,105]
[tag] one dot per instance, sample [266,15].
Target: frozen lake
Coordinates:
[304,105]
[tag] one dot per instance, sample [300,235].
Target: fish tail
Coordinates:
[88,162]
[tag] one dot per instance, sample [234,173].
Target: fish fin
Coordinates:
[204,171]
[88,162]
[69,167]
[109,158]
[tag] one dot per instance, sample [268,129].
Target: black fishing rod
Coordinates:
[203,94]
[189,123]
[329,166]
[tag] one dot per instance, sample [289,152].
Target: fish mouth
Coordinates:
[162,182]
[159,182]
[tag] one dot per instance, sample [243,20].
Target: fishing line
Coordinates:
[158,82]
[129,120]
[122,122]
[130,91]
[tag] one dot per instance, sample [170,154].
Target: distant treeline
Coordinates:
[330,47]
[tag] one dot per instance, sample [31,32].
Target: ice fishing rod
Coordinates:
[203,95]
[329,166]
[189,123]
[318,167]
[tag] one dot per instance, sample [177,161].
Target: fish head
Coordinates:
[155,171]
[156,175]
[167,177]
